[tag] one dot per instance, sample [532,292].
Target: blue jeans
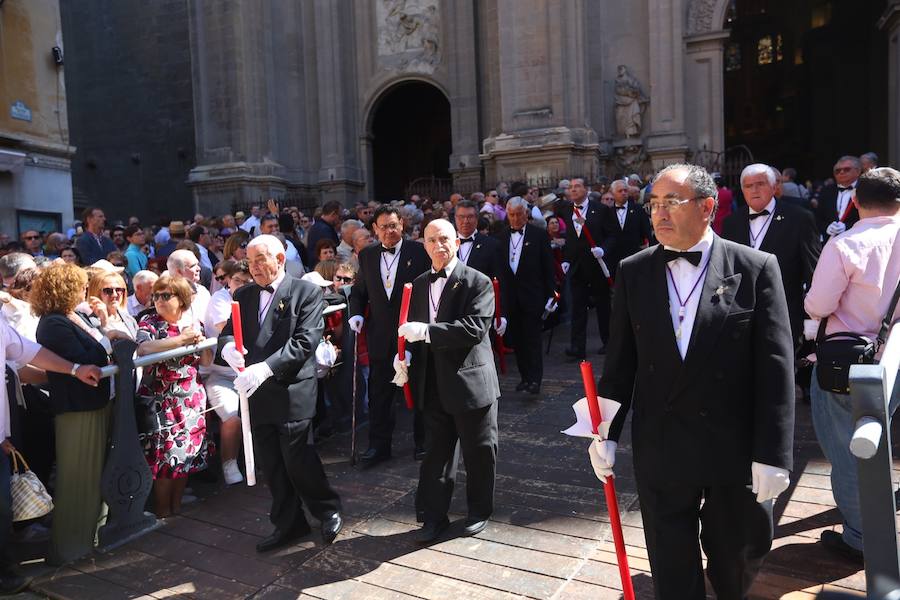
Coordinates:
[832,416]
[5,515]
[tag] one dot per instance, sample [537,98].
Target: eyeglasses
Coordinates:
[221,278]
[492,195]
[31,237]
[110,291]
[843,169]
[343,279]
[164,296]
[670,204]
[389,227]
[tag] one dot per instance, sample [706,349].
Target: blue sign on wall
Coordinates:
[20,111]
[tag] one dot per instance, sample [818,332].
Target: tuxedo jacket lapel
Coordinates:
[250,319]
[659,299]
[268,323]
[744,226]
[448,295]
[776,231]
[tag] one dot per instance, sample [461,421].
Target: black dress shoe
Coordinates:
[279,539]
[533,388]
[474,526]
[13,584]
[331,527]
[419,453]
[576,354]
[835,542]
[431,531]
[372,457]
[522,385]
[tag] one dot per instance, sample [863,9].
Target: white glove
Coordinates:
[413,331]
[356,323]
[501,328]
[597,251]
[603,457]
[234,358]
[768,481]
[401,370]
[551,305]
[565,267]
[836,228]
[249,380]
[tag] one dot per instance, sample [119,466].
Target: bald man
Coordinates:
[451,371]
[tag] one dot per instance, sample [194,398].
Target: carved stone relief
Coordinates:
[700,16]
[409,35]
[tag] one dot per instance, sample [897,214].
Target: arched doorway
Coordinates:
[411,139]
[805,81]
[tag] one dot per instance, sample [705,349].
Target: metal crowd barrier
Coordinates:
[871,388]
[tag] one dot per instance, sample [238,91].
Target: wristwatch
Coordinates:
[75,367]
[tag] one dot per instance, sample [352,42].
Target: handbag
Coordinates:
[30,499]
[836,352]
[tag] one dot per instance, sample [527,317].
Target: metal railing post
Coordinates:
[871,387]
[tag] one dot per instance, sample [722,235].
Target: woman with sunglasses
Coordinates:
[108,297]
[219,379]
[236,245]
[177,444]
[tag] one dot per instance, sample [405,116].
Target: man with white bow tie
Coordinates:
[700,353]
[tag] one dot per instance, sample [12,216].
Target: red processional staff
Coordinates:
[401,341]
[590,241]
[249,460]
[612,504]
[501,348]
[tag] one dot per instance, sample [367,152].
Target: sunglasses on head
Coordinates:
[110,291]
[164,296]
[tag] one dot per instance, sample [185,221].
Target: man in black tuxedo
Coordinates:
[451,371]
[835,212]
[633,226]
[780,228]
[375,300]
[582,264]
[530,268]
[282,324]
[699,352]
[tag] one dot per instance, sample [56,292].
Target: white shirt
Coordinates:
[760,225]
[465,250]
[436,289]
[217,311]
[621,214]
[388,265]
[134,306]
[685,276]
[583,207]
[843,199]
[249,223]
[199,303]
[204,257]
[265,298]
[19,351]
[516,245]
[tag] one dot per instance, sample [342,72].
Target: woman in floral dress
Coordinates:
[179,447]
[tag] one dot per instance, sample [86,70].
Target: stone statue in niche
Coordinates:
[630,104]
[408,34]
[630,159]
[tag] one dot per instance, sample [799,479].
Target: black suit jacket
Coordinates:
[794,239]
[628,240]
[533,282]
[368,290]
[319,230]
[702,420]
[582,264]
[486,257]
[286,341]
[460,347]
[826,212]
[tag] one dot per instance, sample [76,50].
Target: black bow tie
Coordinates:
[759,214]
[519,231]
[466,240]
[389,250]
[845,189]
[692,257]
[432,277]
[266,288]
[623,207]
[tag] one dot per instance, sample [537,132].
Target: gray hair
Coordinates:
[142,277]
[516,202]
[620,182]
[855,160]
[871,157]
[697,177]
[346,225]
[269,242]
[177,258]
[758,169]
[14,262]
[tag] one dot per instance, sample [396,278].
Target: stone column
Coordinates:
[463,84]
[666,141]
[890,24]
[705,115]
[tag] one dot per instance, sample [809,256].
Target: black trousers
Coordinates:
[383,395]
[294,473]
[736,535]
[472,431]
[524,331]
[583,290]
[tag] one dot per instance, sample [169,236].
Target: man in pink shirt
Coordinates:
[852,287]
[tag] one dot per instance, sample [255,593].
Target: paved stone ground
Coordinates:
[549,539]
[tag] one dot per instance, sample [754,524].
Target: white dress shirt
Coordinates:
[436,289]
[18,351]
[388,265]
[516,245]
[685,276]
[621,213]
[265,297]
[465,250]
[843,199]
[582,208]
[760,225]
[199,303]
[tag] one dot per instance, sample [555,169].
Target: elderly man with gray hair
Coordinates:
[12,263]
[183,263]
[140,300]
[348,228]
